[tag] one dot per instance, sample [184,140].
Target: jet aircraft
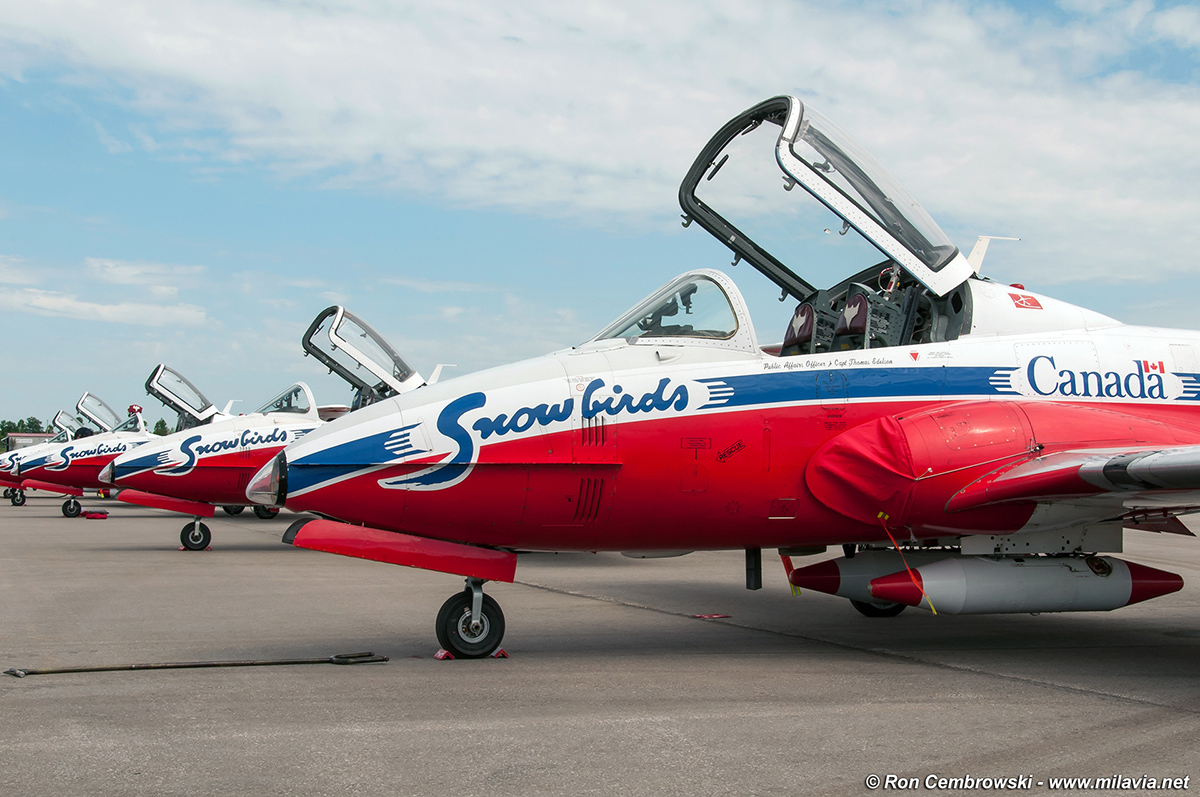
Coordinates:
[74,467]
[973,446]
[68,428]
[203,466]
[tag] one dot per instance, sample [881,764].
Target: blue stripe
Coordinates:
[854,383]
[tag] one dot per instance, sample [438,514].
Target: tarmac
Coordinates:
[613,685]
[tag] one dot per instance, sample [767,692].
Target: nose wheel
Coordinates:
[17,498]
[266,512]
[71,508]
[195,536]
[470,624]
[232,510]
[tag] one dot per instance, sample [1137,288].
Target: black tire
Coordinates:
[878,610]
[266,512]
[233,510]
[453,627]
[8,491]
[71,508]
[195,536]
[18,498]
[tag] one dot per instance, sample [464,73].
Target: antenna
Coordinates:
[981,247]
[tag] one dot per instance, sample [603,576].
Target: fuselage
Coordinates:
[682,444]
[78,463]
[211,463]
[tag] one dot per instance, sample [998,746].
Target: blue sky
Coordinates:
[192,182]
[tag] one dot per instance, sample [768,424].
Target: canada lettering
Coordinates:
[1046,379]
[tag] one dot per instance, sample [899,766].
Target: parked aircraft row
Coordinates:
[971,446]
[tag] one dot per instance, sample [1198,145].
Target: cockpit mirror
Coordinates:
[353,350]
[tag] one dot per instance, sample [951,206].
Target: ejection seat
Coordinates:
[799,336]
[868,321]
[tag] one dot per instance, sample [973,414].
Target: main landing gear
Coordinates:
[195,536]
[470,624]
[71,508]
[266,512]
[878,609]
[8,491]
[17,498]
[233,510]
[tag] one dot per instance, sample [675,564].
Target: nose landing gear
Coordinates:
[71,508]
[17,498]
[195,536]
[470,624]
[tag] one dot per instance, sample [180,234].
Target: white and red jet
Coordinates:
[1002,439]
[68,429]
[209,461]
[73,467]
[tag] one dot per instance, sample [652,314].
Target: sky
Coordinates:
[192,182]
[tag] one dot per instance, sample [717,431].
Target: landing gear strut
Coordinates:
[71,508]
[470,624]
[195,536]
[17,498]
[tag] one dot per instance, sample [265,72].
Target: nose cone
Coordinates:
[269,485]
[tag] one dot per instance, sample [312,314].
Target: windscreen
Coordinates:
[690,307]
[130,425]
[293,400]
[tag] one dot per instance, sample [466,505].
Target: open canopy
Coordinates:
[174,390]
[353,350]
[96,411]
[740,189]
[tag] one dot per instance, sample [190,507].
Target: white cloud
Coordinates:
[14,272]
[125,272]
[53,303]
[999,121]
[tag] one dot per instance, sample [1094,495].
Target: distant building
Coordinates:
[17,440]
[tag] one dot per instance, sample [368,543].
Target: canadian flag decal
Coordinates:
[1025,302]
[1153,368]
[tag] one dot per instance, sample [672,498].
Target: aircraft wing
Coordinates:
[1143,483]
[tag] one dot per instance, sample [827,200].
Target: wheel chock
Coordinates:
[94,514]
[445,655]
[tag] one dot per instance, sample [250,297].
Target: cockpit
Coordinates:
[693,306]
[907,282]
